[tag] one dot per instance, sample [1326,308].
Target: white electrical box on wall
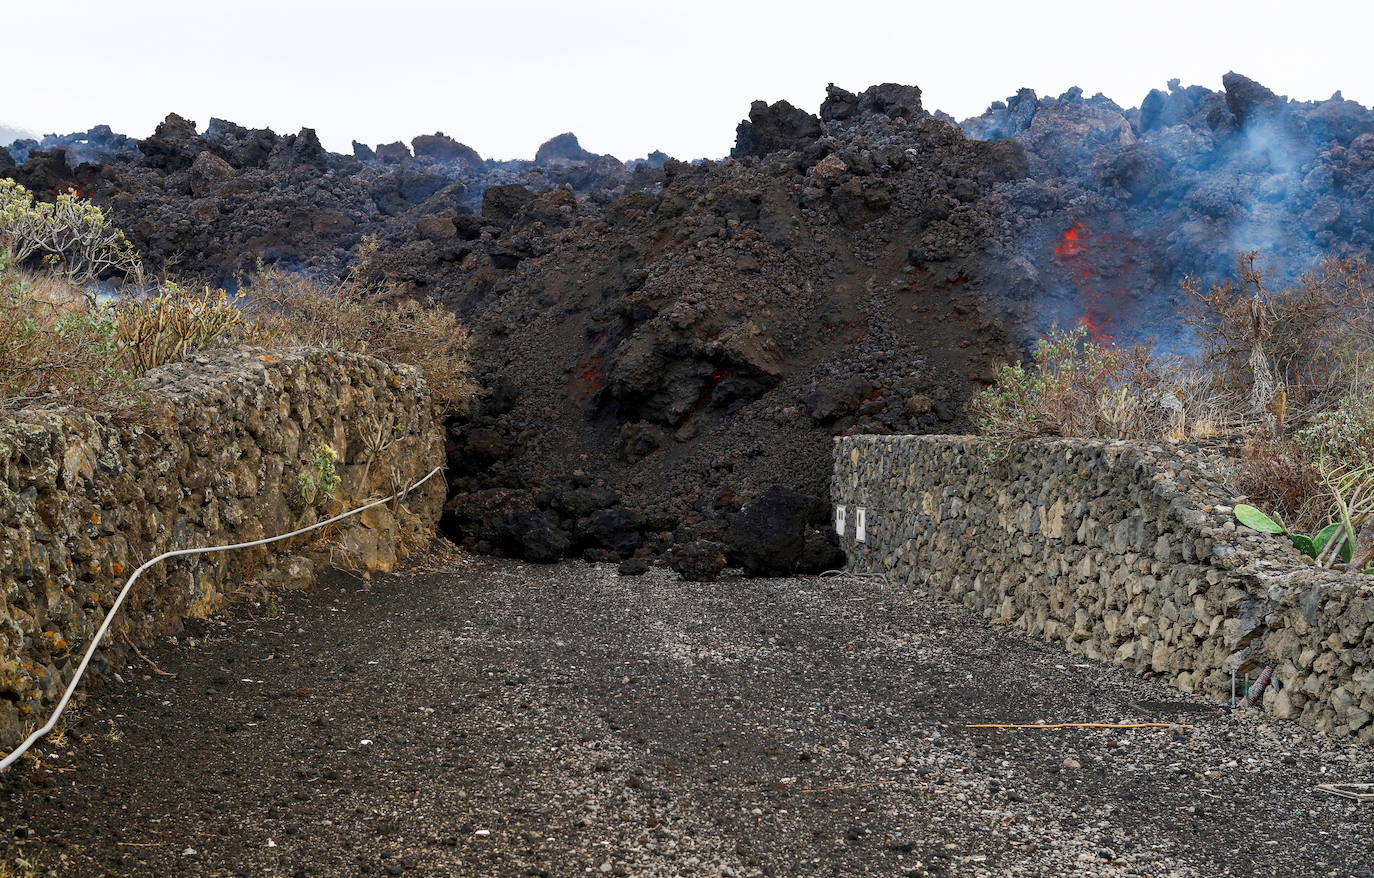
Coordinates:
[860,524]
[839,519]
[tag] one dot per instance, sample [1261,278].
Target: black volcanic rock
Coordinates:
[173,146]
[768,536]
[1247,99]
[618,530]
[888,99]
[363,153]
[45,172]
[652,161]
[509,522]
[207,172]
[241,147]
[774,127]
[97,145]
[501,204]
[562,148]
[392,153]
[440,147]
[299,150]
[697,561]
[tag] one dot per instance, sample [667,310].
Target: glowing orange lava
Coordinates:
[1098,306]
[1071,242]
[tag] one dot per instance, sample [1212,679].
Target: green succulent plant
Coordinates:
[1313,545]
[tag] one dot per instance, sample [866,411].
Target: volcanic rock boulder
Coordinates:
[506,521]
[774,127]
[563,148]
[697,561]
[440,147]
[301,150]
[207,172]
[173,146]
[617,530]
[501,204]
[689,357]
[768,536]
[45,171]
[888,99]
[1247,99]
[364,153]
[392,153]
[241,147]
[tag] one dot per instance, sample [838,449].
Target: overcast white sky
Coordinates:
[632,76]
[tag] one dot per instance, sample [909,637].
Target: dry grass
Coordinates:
[363,314]
[52,350]
[1074,386]
[57,346]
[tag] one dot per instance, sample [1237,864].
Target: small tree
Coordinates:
[71,234]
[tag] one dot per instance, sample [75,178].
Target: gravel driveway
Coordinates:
[491,718]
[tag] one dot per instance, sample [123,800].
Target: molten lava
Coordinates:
[1079,253]
[1071,243]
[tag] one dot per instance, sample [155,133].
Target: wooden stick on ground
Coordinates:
[151,663]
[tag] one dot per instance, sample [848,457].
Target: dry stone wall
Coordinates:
[1124,552]
[238,446]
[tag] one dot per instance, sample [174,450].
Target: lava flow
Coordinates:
[1097,307]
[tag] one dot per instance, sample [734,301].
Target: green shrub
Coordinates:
[1343,435]
[316,484]
[174,322]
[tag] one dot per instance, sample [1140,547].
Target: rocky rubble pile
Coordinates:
[668,372]
[214,203]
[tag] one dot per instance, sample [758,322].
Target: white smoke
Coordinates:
[10,133]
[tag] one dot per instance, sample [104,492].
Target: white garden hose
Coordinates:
[114,608]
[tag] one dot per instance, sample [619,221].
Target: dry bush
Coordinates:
[56,346]
[1074,386]
[1276,476]
[1306,345]
[56,354]
[173,322]
[364,315]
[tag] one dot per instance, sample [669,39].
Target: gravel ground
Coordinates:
[491,718]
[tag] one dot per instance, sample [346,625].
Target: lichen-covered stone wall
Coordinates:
[1124,552]
[237,446]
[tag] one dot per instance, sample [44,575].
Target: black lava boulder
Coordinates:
[507,519]
[697,561]
[768,537]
